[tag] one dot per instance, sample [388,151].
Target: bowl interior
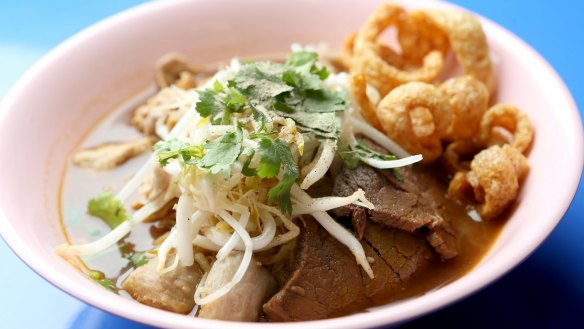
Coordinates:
[63,96]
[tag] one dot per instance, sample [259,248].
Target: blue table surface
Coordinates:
[545,291]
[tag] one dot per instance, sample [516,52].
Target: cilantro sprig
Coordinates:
[100,279]
[176,149]
[293,89]
[108,208]
[275,153]
[221,153]
[216,155]
[359,152]
[138,259]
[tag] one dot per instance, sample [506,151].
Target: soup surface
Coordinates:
[306,188]
[473,238]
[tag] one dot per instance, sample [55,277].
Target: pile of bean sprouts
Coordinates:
[222,214]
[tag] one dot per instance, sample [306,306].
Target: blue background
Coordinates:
[545,291]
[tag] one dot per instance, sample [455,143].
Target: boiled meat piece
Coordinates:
[244,301]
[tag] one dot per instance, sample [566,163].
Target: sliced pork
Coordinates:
[172,291]
[110,155]
[244,301]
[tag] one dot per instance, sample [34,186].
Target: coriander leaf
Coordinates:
[108,208]
[303,73]
[292,78]
[221,153]
[218,87]
[174,149]
[246,170]
[103,281]
[314,101]
[322,72]
[259,116]
[235,99]
[305,63]
[270,162]
[360,151]
[322,125]
[261,81]
[301,58]
[138,259]
[366,152]
[350,158]
[265,134]
[283,107]
[302,79]
[398,173]
[324,101]
[275,153]
[208,104]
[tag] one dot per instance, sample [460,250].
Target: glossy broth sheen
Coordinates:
[474,239]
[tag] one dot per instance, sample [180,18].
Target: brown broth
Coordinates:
[79,185]
[474,239]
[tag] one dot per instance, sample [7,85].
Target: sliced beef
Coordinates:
[397,257]
[408,204]
[327,282]
[359,221]
[172,291]
[363,177]
[244,301]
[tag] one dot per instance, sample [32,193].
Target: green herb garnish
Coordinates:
[108,208]
[352,157]
[291,90]
[221,153]
[138,259]
[100,278]
[174,149]
[276,153]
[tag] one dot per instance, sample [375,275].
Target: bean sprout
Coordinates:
[245,261]
[320,166]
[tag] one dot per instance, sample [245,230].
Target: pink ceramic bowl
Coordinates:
[62,97]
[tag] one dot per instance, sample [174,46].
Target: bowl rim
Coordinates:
[464,286]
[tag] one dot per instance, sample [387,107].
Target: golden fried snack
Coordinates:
[385,52]
[347,50]
[469,99]
[466,37]
[368,59]
[457,155]
[359,95]
[416,115]
[385,77]
[389,56]
[459,188]
[418,36]
[512,120]
[493,181]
